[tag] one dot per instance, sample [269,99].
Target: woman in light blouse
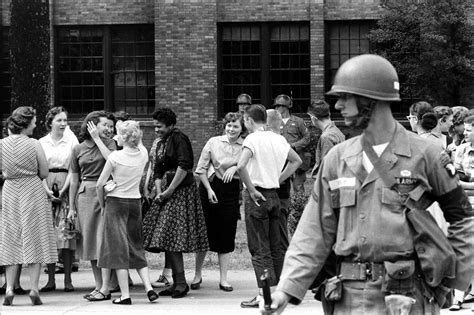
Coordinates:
[57,146]
[219,191]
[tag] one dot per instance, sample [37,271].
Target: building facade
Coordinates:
[195,56]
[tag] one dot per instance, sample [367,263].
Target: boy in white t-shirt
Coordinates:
[263,157]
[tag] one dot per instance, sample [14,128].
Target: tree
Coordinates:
[30,59]
[430,45]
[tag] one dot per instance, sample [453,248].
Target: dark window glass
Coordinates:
[264,60]
[82,68]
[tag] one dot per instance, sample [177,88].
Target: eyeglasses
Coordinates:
[411,117]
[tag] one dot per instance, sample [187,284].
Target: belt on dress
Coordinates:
[361,270]
[58,170]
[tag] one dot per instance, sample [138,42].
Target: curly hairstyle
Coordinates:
[51,114]
[442,112]
[20,119]
[95,118]
[233,117]
[425,114]
[130,132]
[165,115]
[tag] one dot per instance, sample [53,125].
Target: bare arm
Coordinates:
[104,176]
[73,186]
[98,141]
[294,161]
[244,175]
[211,195]
[43,169]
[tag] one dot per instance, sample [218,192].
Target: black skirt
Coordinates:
[221,218]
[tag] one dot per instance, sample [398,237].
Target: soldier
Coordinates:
[242,101]
[297,135]
[367,196]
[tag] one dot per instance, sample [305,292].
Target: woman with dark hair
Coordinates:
[26,230]
[87,161]
[57,146]
[175,223]
[219,191]
[423,121]
[444,114]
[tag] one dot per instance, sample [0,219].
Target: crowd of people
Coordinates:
[66,197]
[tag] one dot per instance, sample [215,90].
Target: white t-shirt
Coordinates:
[127,170]
[269,153]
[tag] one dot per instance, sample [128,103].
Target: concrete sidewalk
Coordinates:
[208,300]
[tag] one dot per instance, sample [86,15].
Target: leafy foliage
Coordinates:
[430,45]
[30,57]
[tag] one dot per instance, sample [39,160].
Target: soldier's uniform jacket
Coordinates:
[353,212]
[297,135]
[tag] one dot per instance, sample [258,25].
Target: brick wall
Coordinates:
[186,65]
[80,12]
[352,9]
[263,10]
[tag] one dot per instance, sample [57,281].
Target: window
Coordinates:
[264,60]
[106,67]
[5,73]
[345,39]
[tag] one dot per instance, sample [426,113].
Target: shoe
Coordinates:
[167,292]
[177,294]
[68,288]
[253,303]
[75,268]
[3,289]
[197,285]
[99,296]
[456,306]
[94,292]
[152,296]
[469,298]
[161,282]
[115,289]
[19,291]
[35,299]
[127,301]
[8,301]
[48,288]
[226,288]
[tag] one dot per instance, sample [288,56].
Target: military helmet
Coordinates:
[367,75]
[283,100]
[244,99]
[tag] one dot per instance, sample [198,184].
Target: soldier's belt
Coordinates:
[361,270]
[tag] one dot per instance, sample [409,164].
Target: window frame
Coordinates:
[107,66]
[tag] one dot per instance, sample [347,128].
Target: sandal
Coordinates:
[99,296]
[93,292]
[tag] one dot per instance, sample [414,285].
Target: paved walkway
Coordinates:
[208,300]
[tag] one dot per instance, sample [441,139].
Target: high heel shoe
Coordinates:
[127,301]
[48,288]
[35,299]
[197,285]
[8,301]
[152,296]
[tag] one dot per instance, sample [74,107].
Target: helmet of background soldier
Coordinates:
[371,76]
[283,100]
[243,99]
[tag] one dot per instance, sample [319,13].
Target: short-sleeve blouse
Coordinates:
[87,160]
[58,153]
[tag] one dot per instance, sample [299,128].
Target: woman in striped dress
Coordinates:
[26,230]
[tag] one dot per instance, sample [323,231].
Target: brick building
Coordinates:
[196,56]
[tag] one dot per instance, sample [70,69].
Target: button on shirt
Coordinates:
[218,155]
[58,153]
[87,160]
[352,212]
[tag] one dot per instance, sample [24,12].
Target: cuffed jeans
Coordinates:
[264,235]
